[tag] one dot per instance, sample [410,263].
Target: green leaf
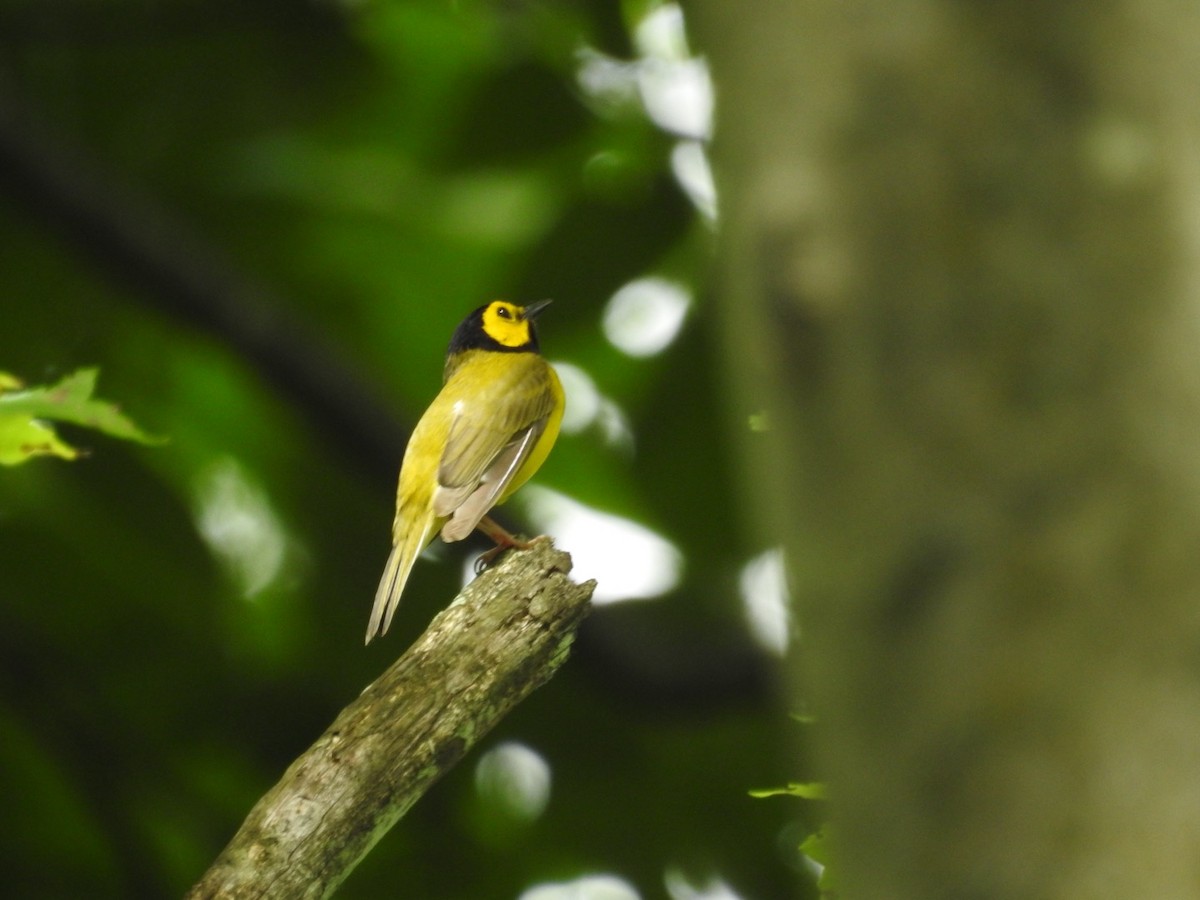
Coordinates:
[24,434]
[816,848]
[807,790]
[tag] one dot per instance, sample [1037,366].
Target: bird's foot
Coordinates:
[504,539]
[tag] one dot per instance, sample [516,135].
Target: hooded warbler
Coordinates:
[484,435]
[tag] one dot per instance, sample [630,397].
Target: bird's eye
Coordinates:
[503,312]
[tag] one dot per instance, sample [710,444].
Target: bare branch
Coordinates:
[504,635]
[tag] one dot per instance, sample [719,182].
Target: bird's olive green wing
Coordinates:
[487,444]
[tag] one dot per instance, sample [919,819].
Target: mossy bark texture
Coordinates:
[505,635]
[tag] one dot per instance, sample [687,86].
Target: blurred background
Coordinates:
[262,220]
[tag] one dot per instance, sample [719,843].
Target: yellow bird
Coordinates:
[484,435]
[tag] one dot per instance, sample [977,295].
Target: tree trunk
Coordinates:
[506,634]
[961,247]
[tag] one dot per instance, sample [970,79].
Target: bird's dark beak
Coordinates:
[532,310]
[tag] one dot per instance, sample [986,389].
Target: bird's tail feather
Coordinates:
[395,575]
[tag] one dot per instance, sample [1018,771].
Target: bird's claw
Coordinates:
[485,560]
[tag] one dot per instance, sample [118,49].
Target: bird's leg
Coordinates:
[504,541]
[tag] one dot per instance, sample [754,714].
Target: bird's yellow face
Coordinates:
[506,324]
[498,327]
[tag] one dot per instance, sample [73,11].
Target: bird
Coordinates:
[489,429]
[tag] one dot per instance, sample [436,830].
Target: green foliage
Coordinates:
[813,843]
[319,193]
[24,433]
[816,848]
[807,790]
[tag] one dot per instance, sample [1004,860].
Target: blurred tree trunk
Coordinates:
[961,255]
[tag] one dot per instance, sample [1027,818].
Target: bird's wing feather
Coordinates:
[473,505]
[485,448]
